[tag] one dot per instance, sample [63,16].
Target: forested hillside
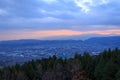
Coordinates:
[105,66]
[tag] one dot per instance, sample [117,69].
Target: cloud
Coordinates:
[86,5]
[68,10]
[22,20]
[81,15]
[3,12]
[104,1]
[82,5]
[49,1]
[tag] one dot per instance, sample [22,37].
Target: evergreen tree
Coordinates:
[109,71]
[117,75]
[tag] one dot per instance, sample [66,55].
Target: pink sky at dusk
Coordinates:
[41,34]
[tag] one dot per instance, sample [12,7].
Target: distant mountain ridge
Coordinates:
[24,50]
[98,42]
[106,38]
[114,40]
[101,40]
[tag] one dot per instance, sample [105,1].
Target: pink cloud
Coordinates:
[40,34]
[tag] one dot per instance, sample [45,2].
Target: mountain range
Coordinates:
[24,50]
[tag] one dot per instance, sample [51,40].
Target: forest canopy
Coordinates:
[104,66]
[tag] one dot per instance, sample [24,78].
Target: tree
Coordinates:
[77,72]
[21,76]
[98,73]
[117,75]
[109,71]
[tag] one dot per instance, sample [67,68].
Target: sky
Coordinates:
[58,19]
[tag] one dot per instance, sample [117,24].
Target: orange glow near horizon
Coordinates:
[48,33]
[41,34]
